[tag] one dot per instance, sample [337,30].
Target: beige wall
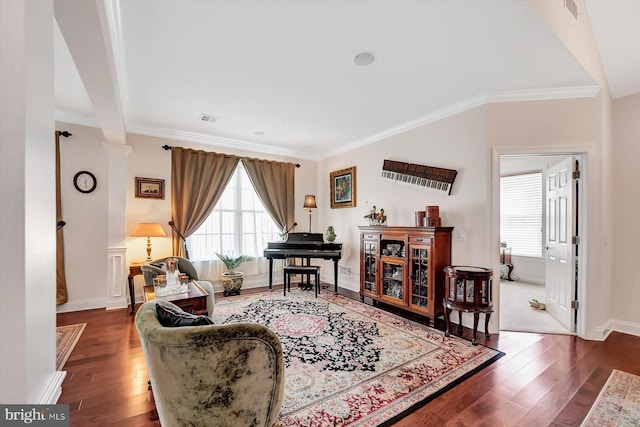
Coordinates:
[456,143]
[467,142]
[87,214]
[567,126]
[577,36]
[86,217]
[626,204]
[464,142]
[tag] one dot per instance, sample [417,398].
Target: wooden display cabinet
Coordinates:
[393,281]
[419,269]
[369,265]
[404,266]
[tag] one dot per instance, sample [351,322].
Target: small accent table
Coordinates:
[134,270]
[505,259]
[193,301]
[468,289]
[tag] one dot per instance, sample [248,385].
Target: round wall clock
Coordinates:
[85,182]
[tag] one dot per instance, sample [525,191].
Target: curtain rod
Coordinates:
[65,133]
[168,147]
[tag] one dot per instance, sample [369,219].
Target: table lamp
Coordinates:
[148,230]
[310,203]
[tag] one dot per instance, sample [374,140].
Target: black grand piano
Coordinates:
[305,246]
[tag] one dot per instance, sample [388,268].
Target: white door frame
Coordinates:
[584,154]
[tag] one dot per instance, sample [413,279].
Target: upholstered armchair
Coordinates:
[223,375]
[152,268]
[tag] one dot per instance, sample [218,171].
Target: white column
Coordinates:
[116,278]
[28,213]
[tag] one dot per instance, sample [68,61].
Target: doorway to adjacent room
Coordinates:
[544,254]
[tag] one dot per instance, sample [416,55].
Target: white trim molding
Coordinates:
[624,327]
[53,389]
[447,111]
[470,103]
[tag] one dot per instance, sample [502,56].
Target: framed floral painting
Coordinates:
[343,188]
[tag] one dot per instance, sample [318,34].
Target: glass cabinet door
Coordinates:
[392,247]
[419,265]
[393,281]
[370,267]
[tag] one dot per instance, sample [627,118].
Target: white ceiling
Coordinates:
[286,68]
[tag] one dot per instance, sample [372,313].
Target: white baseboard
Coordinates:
[625,327]
[601,333]
[345,283]
[88,304]
[53,389]
[530,280]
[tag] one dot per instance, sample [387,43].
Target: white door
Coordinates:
[560,251]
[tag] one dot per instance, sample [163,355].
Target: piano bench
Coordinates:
[304,270]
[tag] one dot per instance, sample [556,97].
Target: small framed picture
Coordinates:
[343,188]
[149,188]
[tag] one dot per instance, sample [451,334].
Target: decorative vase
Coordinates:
[330,234]
[232,282]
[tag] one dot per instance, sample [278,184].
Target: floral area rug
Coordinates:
[351,364]
[66,339]
[618,403]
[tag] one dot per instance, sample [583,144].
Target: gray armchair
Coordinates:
[149,271]
[223,375]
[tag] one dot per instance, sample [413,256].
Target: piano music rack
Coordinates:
[426,177]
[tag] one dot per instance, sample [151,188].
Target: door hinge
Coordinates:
[575,240]
[575,305]
[576,174]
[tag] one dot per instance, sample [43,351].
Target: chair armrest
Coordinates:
[149,272]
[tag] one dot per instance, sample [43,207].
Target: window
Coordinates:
[239,224]
[521,213]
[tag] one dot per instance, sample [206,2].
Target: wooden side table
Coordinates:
[134,270]
[468,289]
[193,301]
[505,259]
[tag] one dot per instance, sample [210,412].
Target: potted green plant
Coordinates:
[232,279]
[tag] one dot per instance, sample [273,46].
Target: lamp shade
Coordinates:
[148,229]
[310,201]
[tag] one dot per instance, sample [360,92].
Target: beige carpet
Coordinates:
[66,339]
[517,315]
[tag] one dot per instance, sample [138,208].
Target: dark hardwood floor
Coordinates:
[542,380]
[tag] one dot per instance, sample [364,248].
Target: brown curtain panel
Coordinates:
[198,179]
[274,183]
[61,281]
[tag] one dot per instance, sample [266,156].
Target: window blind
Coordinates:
[521,213]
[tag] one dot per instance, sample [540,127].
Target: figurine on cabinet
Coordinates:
[376,218]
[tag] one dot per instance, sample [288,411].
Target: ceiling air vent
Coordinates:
[208,118]
[572,7]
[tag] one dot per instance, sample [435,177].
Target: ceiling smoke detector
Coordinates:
[208,118]
[364,58]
